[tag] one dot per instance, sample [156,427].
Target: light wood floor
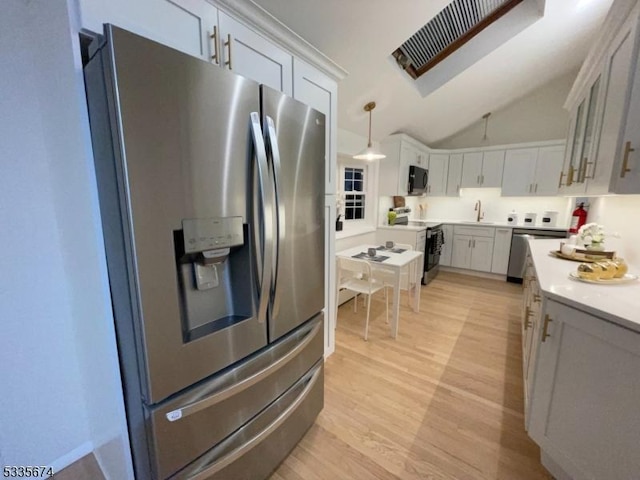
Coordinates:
[443,401]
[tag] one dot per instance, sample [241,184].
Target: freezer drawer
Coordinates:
[254,451]
[187,426]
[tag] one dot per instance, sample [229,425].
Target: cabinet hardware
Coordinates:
[481,179]
[478,179]
[530,185]
[584,174]
[228,45]
[570,173]
[214,37]
[527,314]
[536,298]
[474,243]
[547,320]
[625,159]
[560,184]
[535,188]
[458,189]
[469,243]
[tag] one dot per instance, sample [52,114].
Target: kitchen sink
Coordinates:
[477,223]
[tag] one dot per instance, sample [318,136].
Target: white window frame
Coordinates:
[367,191]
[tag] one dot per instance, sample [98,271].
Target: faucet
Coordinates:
[478,208]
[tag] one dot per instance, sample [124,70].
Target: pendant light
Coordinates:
[369,153]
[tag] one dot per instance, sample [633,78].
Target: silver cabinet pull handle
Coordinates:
[232,456]
[242,385]
[214,37]
[545,328]
[228,45]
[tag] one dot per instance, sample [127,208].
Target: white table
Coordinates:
[395,263]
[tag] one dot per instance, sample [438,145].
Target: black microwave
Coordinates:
[418,180]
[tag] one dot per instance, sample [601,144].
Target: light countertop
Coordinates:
[619,304]
[431,223]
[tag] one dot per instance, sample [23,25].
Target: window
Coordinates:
[354,193]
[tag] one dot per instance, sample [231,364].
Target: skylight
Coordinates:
[449,30]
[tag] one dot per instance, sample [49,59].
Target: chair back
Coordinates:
[353,268]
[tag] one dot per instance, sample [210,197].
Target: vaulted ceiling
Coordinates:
[360,35]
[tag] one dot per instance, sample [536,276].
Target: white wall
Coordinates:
[535,117]
[494,207]
[619,214]
[61,392]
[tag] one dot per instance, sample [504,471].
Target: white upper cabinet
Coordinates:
[251,55]
[603,153]
[492,167]
[438,169]
[454,175]
[532,171]
[320,92]
[402,151]
[519,172]
[482,169]
[471,170]
[186,25]
[548,168]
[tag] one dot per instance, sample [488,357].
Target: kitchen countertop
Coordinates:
[619,304]
[431,223]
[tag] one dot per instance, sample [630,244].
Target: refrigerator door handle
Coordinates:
[264,246]
[247,382]
[238,452]
[272,143]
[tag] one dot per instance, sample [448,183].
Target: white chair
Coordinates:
[356,275]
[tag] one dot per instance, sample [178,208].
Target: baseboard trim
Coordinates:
[474,273]
[73,456]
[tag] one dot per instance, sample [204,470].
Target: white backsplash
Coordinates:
[495,208]
[619,215]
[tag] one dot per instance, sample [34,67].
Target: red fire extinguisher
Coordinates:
[578,219]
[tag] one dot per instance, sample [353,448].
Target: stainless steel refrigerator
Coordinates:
[211,196]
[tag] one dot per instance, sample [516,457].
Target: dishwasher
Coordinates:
[518,253]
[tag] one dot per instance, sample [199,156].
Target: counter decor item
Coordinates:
[530,218]
[512,218]
[592,236]
[391,217]
[549,218]
[338,223]
[398,202]
[604,272]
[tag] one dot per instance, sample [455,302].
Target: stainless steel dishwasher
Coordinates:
[518,252]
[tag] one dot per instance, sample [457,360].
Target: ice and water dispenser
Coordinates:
[215,274]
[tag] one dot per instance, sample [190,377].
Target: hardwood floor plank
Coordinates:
[442,401]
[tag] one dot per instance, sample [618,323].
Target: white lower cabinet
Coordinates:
[584,404]
[447,248]
[501,250]
[472,248]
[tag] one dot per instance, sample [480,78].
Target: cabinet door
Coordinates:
[481,254]
[447,248]
[329,274]
[586,395]
[519,172]
[492,167]
[501,249]
[186,25]
[461,252]
[454,175]
[471,170]
[248,54]
[548,168]
[320,92]
[617,82]
[626,170]
[438,166]
[389,170]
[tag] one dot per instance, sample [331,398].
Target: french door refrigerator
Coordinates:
[211,199]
